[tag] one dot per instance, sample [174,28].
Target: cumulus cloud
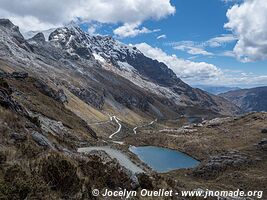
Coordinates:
[202,72]
[248,21]
[162,37]
[44,14]
[132,30]
[185,69]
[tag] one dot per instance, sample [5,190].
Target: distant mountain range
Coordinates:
[254,99]
[215,89]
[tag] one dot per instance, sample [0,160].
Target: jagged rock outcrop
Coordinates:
[39,38]
[64,38]
[45,89]
[6,99]
[133,101]
[7,27]
[41,140]
[89,96]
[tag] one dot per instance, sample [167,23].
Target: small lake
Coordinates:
[163,159]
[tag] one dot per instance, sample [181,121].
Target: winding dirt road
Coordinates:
[119,128]
[149,124]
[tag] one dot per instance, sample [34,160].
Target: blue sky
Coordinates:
[212,42]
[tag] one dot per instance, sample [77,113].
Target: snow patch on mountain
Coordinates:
[126,66]
[99,58]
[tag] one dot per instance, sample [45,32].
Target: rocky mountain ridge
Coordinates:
[216,89]
[254,99]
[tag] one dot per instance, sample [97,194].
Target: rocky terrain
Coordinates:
[38,150]
[232,151]
[254,99]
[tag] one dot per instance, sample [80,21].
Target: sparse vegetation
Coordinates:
[60,173]
[145,181]
[111,174]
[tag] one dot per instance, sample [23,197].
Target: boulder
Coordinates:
[6,99]
[41,140]
[264,130]
[18,137]
[61,96]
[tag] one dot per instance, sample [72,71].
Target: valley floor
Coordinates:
[232,150]
[48,151]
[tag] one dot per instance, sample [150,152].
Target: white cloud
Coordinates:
[239,78]
[191,48]
[220,40]
[44,14]
[162,37]
[248,21]
[185,69]
[198,48]
[132,30]
[27,23]
[228,54]
[91,30]
[202,72]
[231,1]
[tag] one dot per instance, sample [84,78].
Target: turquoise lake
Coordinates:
[163,159]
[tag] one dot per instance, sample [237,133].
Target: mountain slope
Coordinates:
[105,74]
[130,63]
[216,89]
[254,99]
